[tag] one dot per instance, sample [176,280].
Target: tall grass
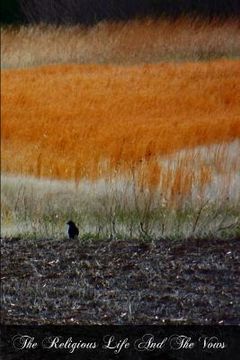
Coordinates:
[133,42]
[71,122]
[149,151]
[125,206]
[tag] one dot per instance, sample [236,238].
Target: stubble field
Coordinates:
[120,282]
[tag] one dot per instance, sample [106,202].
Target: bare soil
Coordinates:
[120,282]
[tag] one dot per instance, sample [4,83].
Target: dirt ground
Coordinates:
[120,282]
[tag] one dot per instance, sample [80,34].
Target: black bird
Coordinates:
[72,230]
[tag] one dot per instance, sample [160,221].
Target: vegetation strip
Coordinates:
[123,43]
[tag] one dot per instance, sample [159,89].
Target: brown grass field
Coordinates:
[73,121]
[125,43]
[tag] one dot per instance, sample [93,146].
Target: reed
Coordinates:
[184,202]
[125,43]
[74,122]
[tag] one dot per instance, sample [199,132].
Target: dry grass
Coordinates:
[125,129]
[133,42]
[121,207]
[70,122]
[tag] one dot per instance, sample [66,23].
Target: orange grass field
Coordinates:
[75,121]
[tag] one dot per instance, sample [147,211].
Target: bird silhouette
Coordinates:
[73,231]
